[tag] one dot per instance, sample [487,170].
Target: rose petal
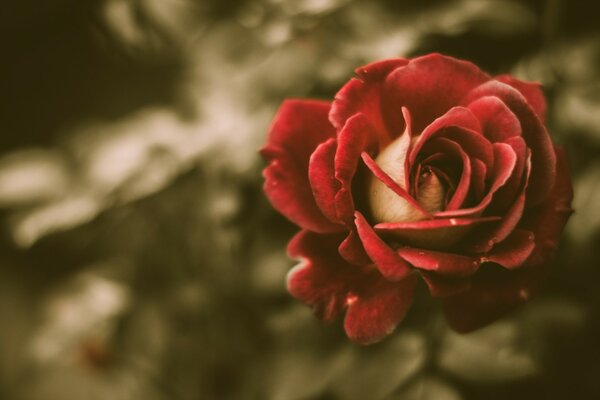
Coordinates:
[390,201]
[353,251]
[532,91]
[364,95]
[513,251]
[322,180]
[456,117]
[378,70]
[498,123]
[493,293]
[548,220]
[473,143]
[514,185]
[449,183]
[479,171]
[299,127]
[411,141]
[430,192]
[485,241]
[354,138]
[443,286]
[431,233]
[504,164]
[497,291]
[392,159]
[543,157]
[429,86]
[378,308]
[447,146]
[445,264]
[322,280]
[386,260]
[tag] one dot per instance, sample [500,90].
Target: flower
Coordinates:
[423,167]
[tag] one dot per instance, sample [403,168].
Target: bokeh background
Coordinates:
[139,258]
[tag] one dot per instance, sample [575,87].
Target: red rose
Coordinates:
[423,167]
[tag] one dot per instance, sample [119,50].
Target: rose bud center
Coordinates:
[428,187]
[385,204]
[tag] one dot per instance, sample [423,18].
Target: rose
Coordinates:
[423,167]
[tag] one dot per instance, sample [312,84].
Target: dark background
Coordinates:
[139,258]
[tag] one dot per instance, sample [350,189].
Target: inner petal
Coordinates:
[453,165]
[385,204]
[430,191]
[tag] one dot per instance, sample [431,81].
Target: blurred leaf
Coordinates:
[69,383]
[578,109]
[579,59]
[60,215]
[496,17]
[269,272]
[301,373]
[84,307]
[550,324]
[302,366]
[116,163]
[491,354]
[375,372]
[115,156]
[427,388]
[32,176]
[584,225]
[554,314]
[312,6]
[149,26]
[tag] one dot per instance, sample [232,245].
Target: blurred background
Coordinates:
[139,258]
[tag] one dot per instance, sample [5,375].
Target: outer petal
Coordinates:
[429,86]
[498,123]
[378,70]
[443,286]
[333,166]
[299,127]
[532,91]
[363,95]
[378,308]
[548,220]
[322,280]
[329,285]
[447,264]
[543,158]
[353,251]
[355,137]
[495,292]
[513,251]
